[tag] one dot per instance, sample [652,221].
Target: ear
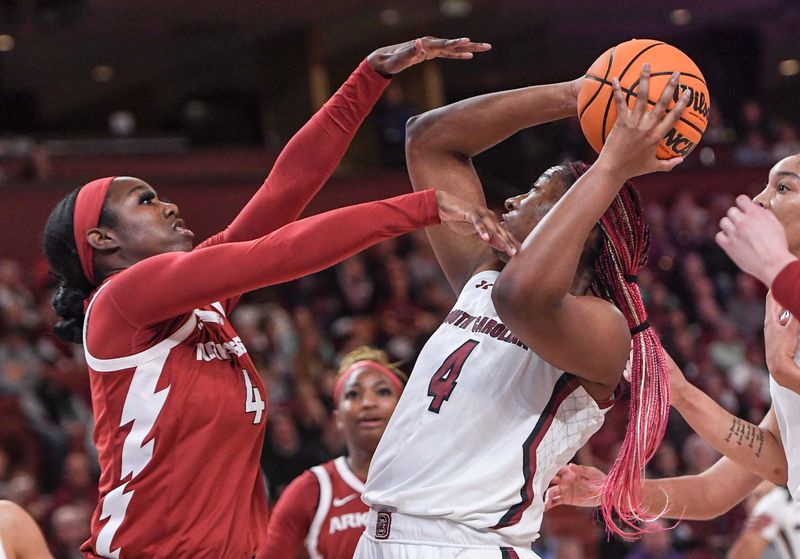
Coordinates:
[101,238]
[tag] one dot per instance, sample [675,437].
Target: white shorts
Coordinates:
[399,536]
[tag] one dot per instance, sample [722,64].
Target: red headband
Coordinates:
[337,391]
[88,205]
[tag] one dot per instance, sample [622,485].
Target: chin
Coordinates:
[501,256]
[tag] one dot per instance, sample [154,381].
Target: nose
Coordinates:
[512,203]
[368,399]
[168,209]
[762,198]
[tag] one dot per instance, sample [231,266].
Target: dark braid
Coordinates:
[625,239]
[62,255]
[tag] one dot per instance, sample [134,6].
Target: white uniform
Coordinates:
[480,430]
[783,532]
[2,550]
[787,411]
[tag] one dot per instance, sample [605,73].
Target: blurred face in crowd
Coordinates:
[365,406]
[144,224]
[781,195]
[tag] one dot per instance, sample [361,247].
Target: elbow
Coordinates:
[419,136]
[432,131]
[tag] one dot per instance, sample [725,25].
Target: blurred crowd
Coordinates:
[392,296]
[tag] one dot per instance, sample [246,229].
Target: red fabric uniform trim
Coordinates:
[786,288]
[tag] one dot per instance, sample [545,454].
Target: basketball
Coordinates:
[598,112]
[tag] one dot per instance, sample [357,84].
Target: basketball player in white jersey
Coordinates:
[751,453]
[489,415]
[20,537]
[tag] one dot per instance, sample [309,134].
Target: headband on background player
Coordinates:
[393,378]
[88,206]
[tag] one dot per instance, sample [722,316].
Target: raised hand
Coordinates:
[754,239]
[575,485]
[630,149]
[396,58]
[466,219]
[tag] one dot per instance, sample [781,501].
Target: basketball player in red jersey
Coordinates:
[179,407]
[323,508]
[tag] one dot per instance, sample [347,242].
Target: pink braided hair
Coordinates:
[625,240]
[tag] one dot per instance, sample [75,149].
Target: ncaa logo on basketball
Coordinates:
[383,525]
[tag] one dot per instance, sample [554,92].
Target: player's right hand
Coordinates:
[575,485]
[466,219]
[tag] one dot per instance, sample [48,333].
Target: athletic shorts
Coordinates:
[398,536]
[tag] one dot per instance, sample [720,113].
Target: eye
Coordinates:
[783,187]
[385,392]
[146,197]
[351,395]
[166,200]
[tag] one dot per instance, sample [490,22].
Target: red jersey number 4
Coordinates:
[444,379]
[252,399]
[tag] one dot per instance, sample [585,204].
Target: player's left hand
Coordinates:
[630,149]
[396,58]
[575,485]
[754,239]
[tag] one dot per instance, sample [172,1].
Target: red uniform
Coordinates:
[178,405]
[321,508]
[786,288]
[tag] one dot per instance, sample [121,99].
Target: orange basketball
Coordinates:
[598,112]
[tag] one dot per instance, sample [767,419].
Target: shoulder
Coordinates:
[10,513]
[16,524]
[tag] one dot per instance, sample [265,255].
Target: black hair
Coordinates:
[62,256]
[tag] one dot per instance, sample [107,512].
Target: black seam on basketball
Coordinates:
[698,78]
[599,89]
[619,78]
[649,102]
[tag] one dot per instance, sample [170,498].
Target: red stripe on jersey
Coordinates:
[565,385]
[508,553]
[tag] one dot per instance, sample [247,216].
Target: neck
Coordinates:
[358,460]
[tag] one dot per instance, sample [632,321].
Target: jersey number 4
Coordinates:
[444,379]
[252,399]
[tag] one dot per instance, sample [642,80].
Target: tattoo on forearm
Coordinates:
[744,432]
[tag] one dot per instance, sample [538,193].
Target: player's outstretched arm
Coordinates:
[532,294]
[171,284]
[697,497]
[313,153]
[440,144]
[757,448]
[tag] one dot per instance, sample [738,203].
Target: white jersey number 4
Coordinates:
[252,399]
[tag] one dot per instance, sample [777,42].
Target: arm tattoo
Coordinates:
[744,432]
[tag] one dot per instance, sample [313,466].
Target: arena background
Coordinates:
[197,98]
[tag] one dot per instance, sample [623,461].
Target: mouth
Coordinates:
[179,226]
[372,422]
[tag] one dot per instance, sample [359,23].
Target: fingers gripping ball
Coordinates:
[596,108]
